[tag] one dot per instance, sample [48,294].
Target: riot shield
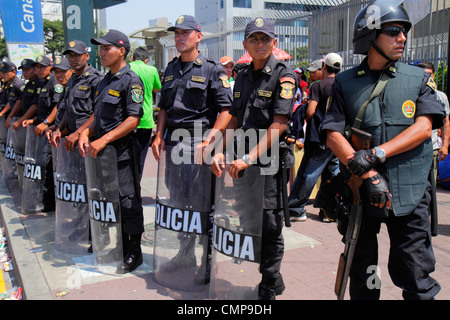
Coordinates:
[72,209]
[3,137]
[35,162]
[9,164]
[238,216]
[104,210]
[19,137]
[182,221]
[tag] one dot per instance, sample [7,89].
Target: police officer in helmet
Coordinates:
[400,118]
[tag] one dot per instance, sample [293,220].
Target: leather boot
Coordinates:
[266,289]
[133,255]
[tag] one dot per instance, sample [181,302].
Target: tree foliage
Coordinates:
[54,37]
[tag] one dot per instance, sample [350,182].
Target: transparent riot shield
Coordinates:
[19,137]
[35,162]
[238,215]
[3,137]
[104,210]
[72,208]
[182,221]
[9,164]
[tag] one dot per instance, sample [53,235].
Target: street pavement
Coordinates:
[308,268]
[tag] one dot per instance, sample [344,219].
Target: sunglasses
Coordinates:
[394,31]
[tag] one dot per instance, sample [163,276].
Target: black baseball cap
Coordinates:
[115,38]
[186,23]
[27,64]
[8,67]
[260,25]
[76,46]
[61,63]
[43,60]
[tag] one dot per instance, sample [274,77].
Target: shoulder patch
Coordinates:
[287,79]
[432,84]
[59,88]
[137,94]
[287,90]
[225,81]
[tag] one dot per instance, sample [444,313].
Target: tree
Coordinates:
[54,37]
[3,49]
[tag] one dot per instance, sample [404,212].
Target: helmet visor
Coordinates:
[378,10]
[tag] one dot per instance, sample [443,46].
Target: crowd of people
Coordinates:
[68,100]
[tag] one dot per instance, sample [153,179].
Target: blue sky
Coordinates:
[135,14]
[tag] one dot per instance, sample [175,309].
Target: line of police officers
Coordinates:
[97,111]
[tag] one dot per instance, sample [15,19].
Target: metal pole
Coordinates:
[448,63]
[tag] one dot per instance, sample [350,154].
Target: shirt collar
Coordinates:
[268,67]
[119,73]
[363,69]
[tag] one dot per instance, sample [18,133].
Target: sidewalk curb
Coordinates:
[26,265]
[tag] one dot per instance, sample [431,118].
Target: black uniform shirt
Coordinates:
[4,94]
[15,91]
[259,95]
[119,96]
[79,98]
[50,94]
[194,95]
[30,95]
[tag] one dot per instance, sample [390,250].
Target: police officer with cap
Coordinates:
[264,99]
[395,169]
[195,93]
[12,87]
[117,113]
[49,96]
[79,97]
[30,95]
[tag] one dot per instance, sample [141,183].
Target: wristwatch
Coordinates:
[46,121]
[380,154]
[246,159]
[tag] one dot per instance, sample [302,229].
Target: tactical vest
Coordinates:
[387,116]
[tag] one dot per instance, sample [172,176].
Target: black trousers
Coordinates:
[130,200]
[272,248]
[411,257]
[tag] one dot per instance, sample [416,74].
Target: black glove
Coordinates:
[378,191]
[363,161]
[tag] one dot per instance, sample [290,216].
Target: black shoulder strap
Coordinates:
[381,84]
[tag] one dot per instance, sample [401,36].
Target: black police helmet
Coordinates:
[367,22]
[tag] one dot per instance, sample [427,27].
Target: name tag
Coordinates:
[83,88]
[114,93]
[263,93]
[168,78]
[198,79]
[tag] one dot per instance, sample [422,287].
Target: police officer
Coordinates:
[264,99]
[49,95]
[195,93]
[29,100]
[79,97]
[117,112]
[12,87]
[395,169]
